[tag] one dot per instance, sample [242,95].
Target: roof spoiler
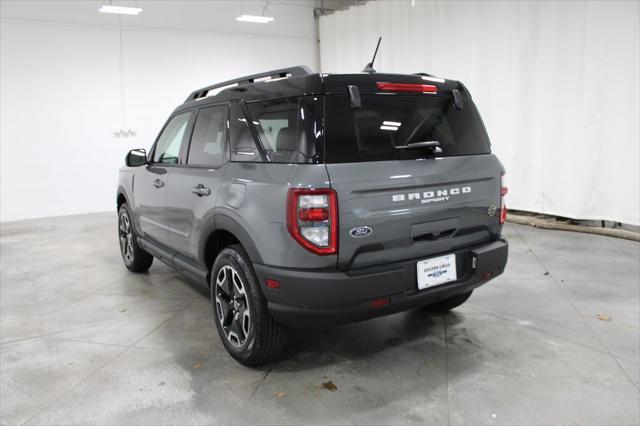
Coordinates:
[268,75]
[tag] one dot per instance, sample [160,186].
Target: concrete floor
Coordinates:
[83,341]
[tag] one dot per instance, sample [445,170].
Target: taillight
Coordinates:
[407,87]
[312,219]
[503,207]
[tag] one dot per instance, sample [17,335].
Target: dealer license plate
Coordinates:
[436,271]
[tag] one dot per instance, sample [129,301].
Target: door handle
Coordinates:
[158,183]
[201,190]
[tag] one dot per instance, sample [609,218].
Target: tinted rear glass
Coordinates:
[386,123]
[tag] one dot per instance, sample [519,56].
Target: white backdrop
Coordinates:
[68,81]
[557,84]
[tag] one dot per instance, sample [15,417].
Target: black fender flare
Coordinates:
[134,220]
[223,222]
[123,192]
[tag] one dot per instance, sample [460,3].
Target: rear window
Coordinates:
[386,123]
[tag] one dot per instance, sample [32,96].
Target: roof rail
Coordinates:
[430,77]
[268,75]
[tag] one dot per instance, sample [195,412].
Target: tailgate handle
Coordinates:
[432,236]
[436,230]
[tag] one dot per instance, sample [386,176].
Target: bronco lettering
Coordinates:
[432,196]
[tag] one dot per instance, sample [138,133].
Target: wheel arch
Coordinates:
[222,232]
[121,197]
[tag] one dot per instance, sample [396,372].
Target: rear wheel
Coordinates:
[446,305]
[134,256]
[246,328]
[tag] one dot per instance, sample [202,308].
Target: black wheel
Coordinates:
[448,304]
[246,328]
[134,257]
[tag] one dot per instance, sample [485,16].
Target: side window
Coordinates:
[208,143]
[286,128]
[168,146]
[243,146]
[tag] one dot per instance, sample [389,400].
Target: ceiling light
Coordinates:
[122,10]
[255,18]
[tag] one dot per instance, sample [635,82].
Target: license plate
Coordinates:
[436,271]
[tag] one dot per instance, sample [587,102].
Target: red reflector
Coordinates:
[503,214]
[272,283]
[407,87]
[379,303]
[313,215]
[503,207]
[486,275]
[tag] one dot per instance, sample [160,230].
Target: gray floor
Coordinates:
[83,341]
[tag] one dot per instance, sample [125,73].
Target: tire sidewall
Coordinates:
[232,257]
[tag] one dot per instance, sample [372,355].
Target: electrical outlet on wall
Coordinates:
[118,133]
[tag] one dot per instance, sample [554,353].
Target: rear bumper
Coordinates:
[329,297]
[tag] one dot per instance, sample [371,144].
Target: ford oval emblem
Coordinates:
[360,231]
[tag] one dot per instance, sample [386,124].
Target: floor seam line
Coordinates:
[619,248]
[624,371]
[97,324]
[94,372]
[605,352]
[255,390]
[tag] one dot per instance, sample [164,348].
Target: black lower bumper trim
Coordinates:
[329,297]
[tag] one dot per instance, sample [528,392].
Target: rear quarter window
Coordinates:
[288,128]
[385,124]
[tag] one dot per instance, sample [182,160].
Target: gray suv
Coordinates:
[306,199]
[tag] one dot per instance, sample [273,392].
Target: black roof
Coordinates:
[301,81]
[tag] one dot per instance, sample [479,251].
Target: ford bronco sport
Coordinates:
[313,199]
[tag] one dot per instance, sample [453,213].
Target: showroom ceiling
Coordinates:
[216,16]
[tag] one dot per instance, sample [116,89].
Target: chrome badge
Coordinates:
[491,211]
[360,231]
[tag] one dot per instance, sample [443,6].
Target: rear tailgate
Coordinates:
[399,210]
[399,197]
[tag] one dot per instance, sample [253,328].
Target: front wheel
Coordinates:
[446,305]
[135,258]
[246,328]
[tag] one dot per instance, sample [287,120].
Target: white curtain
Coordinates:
[556,82]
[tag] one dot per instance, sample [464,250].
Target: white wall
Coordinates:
[557,84]
[70,77]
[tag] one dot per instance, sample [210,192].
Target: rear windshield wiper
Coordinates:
[433,146]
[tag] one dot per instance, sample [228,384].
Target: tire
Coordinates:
[246,328]
[134,256]
[446,305]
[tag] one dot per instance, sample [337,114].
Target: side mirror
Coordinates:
[136,157]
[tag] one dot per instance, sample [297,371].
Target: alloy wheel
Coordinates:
[232,306]
[126,238]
